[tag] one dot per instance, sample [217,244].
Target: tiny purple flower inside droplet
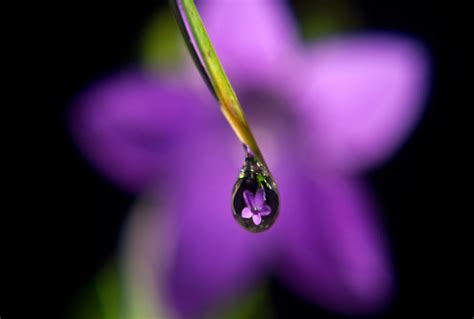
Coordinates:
[256,207]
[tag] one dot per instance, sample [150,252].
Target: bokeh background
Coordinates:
[73,227]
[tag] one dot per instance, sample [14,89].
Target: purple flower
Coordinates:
[256,207]
[323,114]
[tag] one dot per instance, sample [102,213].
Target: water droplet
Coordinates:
[255,198]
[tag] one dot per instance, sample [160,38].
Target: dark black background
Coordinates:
[62,220]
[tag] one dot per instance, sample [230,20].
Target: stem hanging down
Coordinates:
[211,70]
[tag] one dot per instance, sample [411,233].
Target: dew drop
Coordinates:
[255,198]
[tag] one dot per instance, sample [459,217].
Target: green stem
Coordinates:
[215,75]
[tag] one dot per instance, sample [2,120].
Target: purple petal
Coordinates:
[251,38]
[334,253]
[249,199]
[361,97]
[259,198]
[265,211]
[246,212]
[211,252]
[257,219]
[128,126]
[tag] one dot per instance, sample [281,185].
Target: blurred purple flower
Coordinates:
[323,113]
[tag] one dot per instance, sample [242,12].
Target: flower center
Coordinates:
[272,120]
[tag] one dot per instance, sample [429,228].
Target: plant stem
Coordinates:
[211,69]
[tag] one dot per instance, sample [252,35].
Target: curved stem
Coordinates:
[211,70]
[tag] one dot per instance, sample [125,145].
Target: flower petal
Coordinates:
[128,126]
[334,253]
[265,211]
[361,97]
[246,212]
[211,252]
[259,198]
[251,38]
[249,199]
[257,219]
